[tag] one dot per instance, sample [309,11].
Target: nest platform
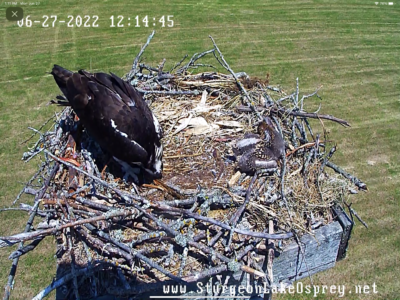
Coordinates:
[204,217]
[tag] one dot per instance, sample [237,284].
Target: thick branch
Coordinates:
[11,240]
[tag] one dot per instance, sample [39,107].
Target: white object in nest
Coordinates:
[196,126]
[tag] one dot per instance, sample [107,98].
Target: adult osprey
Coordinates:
[117,118]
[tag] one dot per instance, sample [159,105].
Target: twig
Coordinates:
[25,249]
[308,145]
[92,204]
[296,99]
[352,211]
[285,98]
[271,252]
[293,135]
[194,58]
[27,209]
[161,67]
[300,127]
[36,132]
[235,218]
[29,182]
[361,185]
[282,176]
[282,112]
[28,227]
[241,209]
[308,96]
[178,63]
[136,60]
[240,85]
[309,127]
[206,273]
[327,158]
[195,92]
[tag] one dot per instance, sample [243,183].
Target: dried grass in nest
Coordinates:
[203,217]
[193,159]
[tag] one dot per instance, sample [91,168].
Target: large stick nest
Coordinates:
[204,216]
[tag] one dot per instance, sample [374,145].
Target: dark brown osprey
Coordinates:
[117,117]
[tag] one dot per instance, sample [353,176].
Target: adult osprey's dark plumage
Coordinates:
[116,116]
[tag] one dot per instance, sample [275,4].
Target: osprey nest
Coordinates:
[208,214]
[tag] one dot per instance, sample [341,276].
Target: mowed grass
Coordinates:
[351,47]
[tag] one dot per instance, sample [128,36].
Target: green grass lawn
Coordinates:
[351,47]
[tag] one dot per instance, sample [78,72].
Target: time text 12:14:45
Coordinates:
[146,21]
